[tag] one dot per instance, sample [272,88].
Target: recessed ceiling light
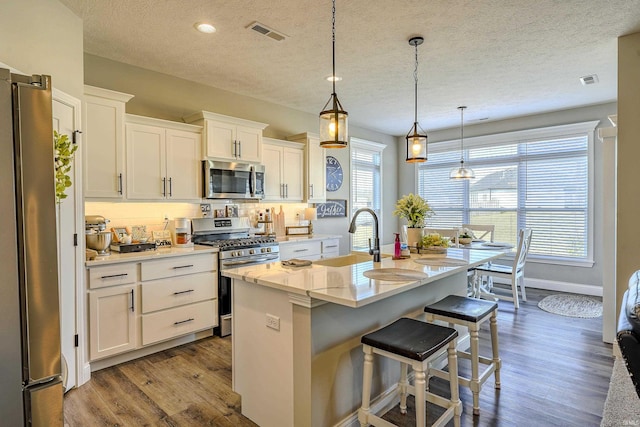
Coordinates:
[332,78]
[203,27]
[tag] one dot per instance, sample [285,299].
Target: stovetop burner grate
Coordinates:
[238,243]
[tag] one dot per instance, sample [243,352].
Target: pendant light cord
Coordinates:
[462,133]
[415,79]
[333,41]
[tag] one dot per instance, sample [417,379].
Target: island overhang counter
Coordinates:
[297,357]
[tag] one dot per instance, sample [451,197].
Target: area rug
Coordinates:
[572,305]
[622,407]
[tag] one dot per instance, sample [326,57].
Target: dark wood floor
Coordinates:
[555,372]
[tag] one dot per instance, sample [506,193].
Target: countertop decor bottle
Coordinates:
[397,253]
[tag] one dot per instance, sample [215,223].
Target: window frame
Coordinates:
[552,132]
[376,147]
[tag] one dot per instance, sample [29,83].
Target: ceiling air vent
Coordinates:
[589,80]
[266,31]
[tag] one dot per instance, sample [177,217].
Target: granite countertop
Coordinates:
[283,240]
[116,257]
[348,286]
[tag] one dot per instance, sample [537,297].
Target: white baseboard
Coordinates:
[553,285]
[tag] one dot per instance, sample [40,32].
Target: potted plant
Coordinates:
[64,151]
[434,243]
[415,210]
[465,236]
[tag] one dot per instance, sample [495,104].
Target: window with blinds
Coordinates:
[366,190]
[539,183]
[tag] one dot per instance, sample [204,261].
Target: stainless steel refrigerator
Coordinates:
[31,390]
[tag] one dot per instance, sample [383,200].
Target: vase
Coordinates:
[412,235]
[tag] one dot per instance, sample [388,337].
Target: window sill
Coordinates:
[556,261]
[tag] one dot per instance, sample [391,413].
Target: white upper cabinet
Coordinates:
[163,159]
[229,138]
[315,189]
[104,152]
[283,162]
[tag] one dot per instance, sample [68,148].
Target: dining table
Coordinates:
[478,288]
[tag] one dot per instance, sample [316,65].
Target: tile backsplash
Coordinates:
[153,215]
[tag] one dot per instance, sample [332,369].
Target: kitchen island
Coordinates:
[297,357]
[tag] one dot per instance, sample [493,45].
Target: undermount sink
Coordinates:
[345,260]
[395,274]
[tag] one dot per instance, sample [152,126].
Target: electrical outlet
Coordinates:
[273,322]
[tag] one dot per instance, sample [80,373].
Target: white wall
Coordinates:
[537,271]
[43,37]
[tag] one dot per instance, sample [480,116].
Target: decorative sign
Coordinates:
[332,209]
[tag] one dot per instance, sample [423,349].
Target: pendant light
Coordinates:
[462,172]
[334,132]
[416,138]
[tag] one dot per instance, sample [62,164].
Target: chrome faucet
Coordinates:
[375,251]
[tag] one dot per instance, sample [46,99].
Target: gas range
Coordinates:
[234,241]
[237,249]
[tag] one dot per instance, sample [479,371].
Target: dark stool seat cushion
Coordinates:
[463,308]
[410,338]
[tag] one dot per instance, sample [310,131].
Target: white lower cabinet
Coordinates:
[310,250]
[174,322]
[135,304]
[330,248]
[112,321]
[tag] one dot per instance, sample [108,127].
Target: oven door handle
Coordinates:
[248,261]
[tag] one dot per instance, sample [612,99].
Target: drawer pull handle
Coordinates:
[183,292]
[112,276]
[331,246]
[183,321]
[301,250]
[182,266]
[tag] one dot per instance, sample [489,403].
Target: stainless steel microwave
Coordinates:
[230,180]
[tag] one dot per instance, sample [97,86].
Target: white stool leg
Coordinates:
[474,384]
[367,374]
[493,324]
[452,354]
[404,384]
[421,403]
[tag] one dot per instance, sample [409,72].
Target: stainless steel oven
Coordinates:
[237,249]
[227,180]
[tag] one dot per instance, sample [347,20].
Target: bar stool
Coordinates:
[470,312]
[415,343]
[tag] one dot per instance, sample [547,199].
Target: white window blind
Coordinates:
[366,189]
[541,183]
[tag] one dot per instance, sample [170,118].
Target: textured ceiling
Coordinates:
[501,58]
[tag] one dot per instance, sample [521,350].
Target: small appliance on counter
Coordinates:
[96,234]
[132,247]
[181,233]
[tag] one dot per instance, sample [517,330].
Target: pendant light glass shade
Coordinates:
[334,123]
[462,172]
[416,138]
[416,145]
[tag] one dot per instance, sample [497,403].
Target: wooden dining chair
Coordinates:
[513,273]
[481,232]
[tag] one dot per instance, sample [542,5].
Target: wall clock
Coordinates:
[334,174]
